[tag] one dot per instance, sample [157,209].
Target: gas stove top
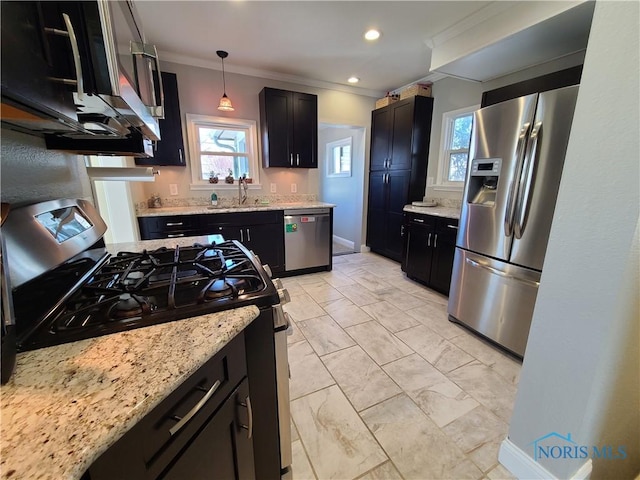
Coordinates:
[97,294]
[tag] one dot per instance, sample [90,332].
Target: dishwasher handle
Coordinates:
[316,212]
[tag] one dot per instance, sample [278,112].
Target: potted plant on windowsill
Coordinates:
[229,178]
[213,177]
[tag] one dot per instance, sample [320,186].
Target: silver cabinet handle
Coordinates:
[174,224]
[181,155]
[435,241]
[249,427]
[248,235]
[175,235]
[196,408]
[242,235]
[502,274]
[297,159]
[291,159]
[452,226]
[429,240]
[419,220]
[71,34]
[150,51]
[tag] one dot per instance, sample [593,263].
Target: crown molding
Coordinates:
[255,72]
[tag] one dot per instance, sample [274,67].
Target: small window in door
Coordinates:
[339,158]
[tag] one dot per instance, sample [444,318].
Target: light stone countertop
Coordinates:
[446,212]
[200,209]
[66,405]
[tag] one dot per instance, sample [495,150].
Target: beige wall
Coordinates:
[200,90]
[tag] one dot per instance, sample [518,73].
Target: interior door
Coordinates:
[499,137]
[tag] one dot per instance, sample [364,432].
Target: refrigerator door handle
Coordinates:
[526,180]
[513,186]
[500,273]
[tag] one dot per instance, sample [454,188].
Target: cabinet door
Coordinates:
[31,58]
[169,151]
[398,192]
[267,241]
[223,449]
[380,135]
[419,251]
[444,252]
[377,216]
[402,135]
[305,130]
[275,127]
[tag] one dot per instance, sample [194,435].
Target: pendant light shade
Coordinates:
[225,102]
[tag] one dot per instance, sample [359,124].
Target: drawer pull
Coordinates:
[182,421]
[419,220]
[174,235]
[249,427]
[452,226]
[174,224]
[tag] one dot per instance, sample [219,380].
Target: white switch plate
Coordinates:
[273,188]
[294,188]
[173,188]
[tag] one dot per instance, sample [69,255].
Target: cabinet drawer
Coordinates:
[419,219]
[156,439]
[242,219]
[447,229]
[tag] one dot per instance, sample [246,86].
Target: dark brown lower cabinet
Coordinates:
[222,449]
[429,249]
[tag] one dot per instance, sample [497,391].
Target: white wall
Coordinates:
[581,373]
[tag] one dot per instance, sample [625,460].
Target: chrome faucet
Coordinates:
[242,189]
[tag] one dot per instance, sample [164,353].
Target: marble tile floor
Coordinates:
[383,386]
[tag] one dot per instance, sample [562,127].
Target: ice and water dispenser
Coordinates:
[483,181]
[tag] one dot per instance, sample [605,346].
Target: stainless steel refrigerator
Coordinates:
[515,163]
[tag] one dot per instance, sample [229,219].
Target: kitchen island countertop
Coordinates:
[65,405]
[438,211]
[204,209]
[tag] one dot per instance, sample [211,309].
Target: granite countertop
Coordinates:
[199,209]
[66,405]
[447,212]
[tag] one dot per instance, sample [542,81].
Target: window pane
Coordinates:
[222,140]
[220,165]
[461,132]
[340,160]
[457,167]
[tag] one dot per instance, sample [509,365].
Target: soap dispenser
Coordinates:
[214,199]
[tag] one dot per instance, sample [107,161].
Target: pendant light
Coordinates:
[225,102]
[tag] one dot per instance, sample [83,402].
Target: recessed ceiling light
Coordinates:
[353,80]
[372,34]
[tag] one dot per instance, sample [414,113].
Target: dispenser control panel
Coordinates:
[485,167]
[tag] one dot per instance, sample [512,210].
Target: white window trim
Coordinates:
[329,153]
[442,182]
[193,121]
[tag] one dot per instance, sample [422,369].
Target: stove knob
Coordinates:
[267,269]
[278,283]
[284,296]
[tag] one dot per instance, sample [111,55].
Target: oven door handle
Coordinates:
[184,420]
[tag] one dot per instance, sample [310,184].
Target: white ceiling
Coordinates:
[305,41]
[320,43]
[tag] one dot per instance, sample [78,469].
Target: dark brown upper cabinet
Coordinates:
[289,128]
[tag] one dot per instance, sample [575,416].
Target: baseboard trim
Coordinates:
[344,242]
[364,249]
[514,459]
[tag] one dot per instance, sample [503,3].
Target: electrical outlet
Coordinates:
[273,188]
[173,189]
[294,188]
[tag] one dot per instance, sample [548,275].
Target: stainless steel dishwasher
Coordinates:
[307,238]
